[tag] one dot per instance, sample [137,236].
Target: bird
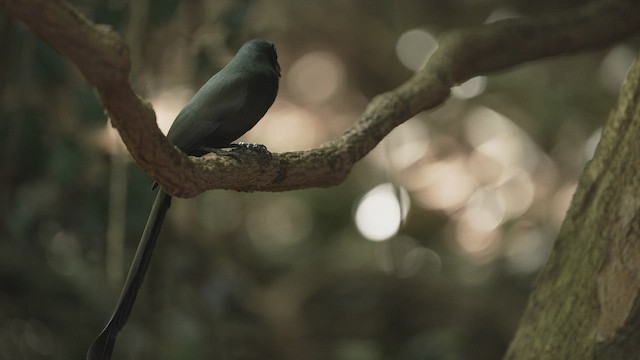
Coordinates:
[228,105]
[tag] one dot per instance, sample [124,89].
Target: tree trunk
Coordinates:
[585,303]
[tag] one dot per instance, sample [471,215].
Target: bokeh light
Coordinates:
[218,219]
[485,211]
[476,243]
[316,77]
[109,140]
[560,203]
[501,13]
[379,213]
[167,104]
[484,169]
[592,143]
[497,137]
[288,127]
[414,48]
[615,66]
[470,88]
[527,249]
[405,257]
[26,339]
[278,223]
[407,144]
[443,185]
[516,192]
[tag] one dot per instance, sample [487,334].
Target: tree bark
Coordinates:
[585,303]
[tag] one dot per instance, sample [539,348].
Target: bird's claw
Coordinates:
[256,148]
[250,146]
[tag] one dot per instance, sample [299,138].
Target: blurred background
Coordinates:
[427,251]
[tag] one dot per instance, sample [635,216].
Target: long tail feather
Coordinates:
[102,346]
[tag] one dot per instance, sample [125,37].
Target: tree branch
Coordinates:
[102,57]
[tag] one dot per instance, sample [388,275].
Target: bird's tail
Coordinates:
[102,346]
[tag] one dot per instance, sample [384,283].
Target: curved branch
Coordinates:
[102,57]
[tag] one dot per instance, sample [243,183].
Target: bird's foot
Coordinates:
[255,148]
[249,146]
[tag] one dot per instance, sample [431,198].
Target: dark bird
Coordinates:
[225,108]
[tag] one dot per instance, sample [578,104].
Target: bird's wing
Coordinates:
[216,102]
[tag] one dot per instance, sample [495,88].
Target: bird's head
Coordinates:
[261,50]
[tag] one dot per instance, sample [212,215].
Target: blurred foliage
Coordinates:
[486,177]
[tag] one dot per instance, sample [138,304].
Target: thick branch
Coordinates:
[100,54]
[586,302]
